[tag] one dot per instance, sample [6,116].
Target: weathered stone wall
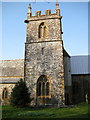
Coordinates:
[50,62]
[53,32]
[53,26]
[11,72]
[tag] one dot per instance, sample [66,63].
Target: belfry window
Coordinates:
[42,30]
[42,86]
[5,94]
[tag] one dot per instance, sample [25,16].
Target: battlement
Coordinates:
[38,13]
[47,15]
[39,16]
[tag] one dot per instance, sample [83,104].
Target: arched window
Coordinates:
[5,94]
[42,30]
[42,86]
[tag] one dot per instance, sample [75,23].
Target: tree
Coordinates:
[20,95]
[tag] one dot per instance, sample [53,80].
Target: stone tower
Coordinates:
[44,65]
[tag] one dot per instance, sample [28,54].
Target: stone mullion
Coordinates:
[41,92]
[5,94]
[44,34]
[45,91]
[42,31]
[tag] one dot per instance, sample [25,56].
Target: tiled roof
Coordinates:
[12,67]
[9,80]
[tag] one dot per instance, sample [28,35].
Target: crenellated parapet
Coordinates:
[38,14]
[48,12]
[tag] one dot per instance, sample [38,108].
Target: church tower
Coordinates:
[44,65]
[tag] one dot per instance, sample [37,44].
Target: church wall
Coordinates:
[44,53]
[9,87]
[80,88]
[67,70]
[53,32]
[44,56]
[49,64]
[68,81]
[11,71]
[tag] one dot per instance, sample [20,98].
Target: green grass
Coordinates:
[79,111]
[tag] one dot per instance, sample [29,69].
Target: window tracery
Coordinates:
[42,30]
[42,86]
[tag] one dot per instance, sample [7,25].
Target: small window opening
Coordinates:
[5,94]
[43,51]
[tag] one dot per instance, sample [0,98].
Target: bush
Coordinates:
[20,95]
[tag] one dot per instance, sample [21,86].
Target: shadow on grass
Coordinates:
[79,112]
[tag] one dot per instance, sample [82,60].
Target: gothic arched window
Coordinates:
[42,86]
[5,94]
[42,30]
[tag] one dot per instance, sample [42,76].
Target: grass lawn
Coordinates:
[79,111]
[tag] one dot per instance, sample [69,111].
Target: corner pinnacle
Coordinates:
[29,8]
[57,4]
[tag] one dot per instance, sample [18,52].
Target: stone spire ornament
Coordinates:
[57,10]
[29,14]
[29,8]
[57,4]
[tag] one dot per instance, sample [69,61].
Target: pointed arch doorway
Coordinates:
[43,90]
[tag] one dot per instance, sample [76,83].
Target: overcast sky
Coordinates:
[74,23]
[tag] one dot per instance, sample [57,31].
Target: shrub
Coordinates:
[20,95]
